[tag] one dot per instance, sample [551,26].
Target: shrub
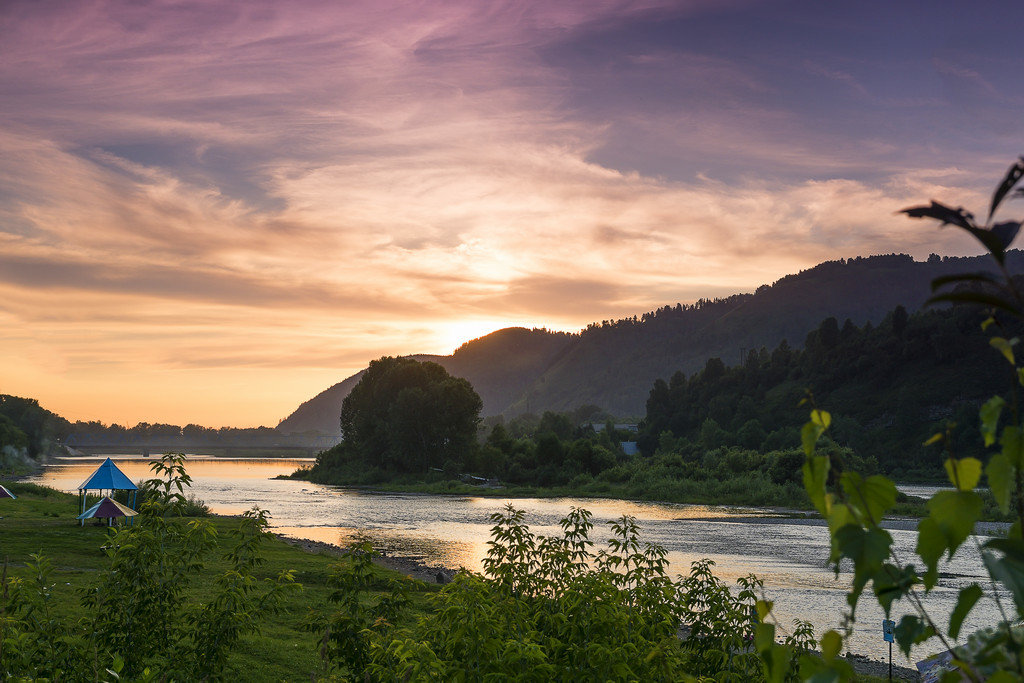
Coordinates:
[553,608]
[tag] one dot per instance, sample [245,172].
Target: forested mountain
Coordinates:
[889,388]
[613,364]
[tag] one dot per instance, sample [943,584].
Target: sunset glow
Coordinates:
[210,212]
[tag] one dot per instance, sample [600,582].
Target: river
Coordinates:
[790,555]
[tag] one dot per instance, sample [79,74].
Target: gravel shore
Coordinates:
[404,565]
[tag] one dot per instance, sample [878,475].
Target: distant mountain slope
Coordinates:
[614,364]
[500,366]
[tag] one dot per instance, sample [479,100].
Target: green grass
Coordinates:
[42,520]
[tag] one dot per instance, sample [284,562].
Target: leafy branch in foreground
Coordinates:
[854,506]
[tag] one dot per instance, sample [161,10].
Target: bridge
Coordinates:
[308,444]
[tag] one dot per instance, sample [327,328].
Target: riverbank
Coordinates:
[864,666]
[452,531]
[795,498]
[795,502]
[409,566]
[42,520]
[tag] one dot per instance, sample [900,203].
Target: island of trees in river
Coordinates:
[720,435]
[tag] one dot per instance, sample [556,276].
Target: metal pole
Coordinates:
[890,660]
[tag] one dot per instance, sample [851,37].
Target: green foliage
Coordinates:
[140,619]
[854,507]
[893,385]
[26,425]
[346,635]
[11,437]
[551,608]
[405,416]
[188,505]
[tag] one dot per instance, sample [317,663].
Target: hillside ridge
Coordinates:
[613,364]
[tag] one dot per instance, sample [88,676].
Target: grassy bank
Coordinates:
[750,489]
[740,492]
[42,521]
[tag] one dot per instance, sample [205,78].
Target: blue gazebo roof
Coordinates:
[107,476]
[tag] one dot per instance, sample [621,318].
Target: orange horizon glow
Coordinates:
[210,213]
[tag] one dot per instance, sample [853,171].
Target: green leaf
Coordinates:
[831,643]
[809,436]
[764,608]
[1020,376]
[868,549]
[1002,677]
[989,415]
[839,515]
[955,512]
[764,637]
[968,297]
[931,543]
[964,473]
[1006,231]
[814,670]
[1013,175]
[964,603]
[935,438]
[1009,568]
[892,583]
[775,659]
[1013,446]
[821,418]
[939,282]
[911,631]
[999,474]
[872,497]
[1005,347]
[815,470]
[940,212]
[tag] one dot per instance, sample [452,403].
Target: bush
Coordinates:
[552,608]
[140,622]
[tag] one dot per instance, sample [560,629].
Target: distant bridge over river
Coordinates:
[291,445]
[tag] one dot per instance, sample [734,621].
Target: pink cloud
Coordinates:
[195,192]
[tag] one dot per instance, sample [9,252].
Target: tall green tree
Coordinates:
[406,415]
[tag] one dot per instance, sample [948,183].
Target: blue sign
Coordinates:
[888,630]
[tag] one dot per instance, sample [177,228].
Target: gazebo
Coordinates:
[107,477]
[107,509]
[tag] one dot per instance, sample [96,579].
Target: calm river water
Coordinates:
[789,555]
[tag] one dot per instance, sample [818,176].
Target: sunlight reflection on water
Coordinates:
[790,555]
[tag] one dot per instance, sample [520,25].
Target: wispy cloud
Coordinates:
[196,197]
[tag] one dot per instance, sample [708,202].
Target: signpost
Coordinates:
[888,632]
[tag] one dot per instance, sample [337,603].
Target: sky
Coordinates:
[212,211]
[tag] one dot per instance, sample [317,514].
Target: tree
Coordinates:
[899,321]
[408,416]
